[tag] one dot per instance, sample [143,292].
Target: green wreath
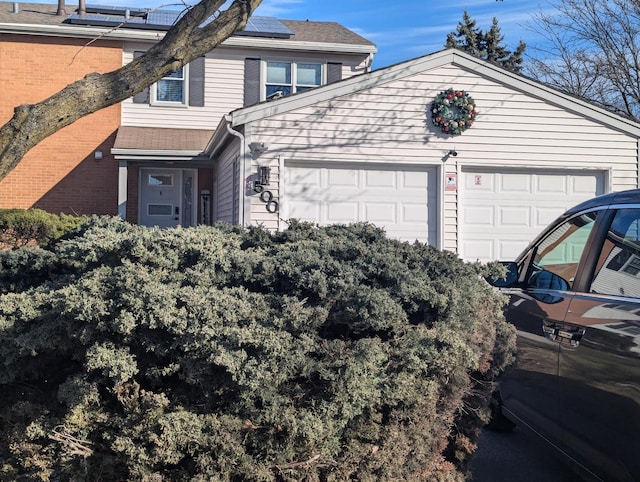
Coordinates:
[453,111]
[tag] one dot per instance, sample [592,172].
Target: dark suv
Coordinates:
[574,298]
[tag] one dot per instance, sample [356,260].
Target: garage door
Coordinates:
[500,212]
[403,201]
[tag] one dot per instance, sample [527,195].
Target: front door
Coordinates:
[166,197]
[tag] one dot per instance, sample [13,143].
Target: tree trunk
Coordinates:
[185,41]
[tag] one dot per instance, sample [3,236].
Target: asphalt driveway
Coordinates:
[517,455]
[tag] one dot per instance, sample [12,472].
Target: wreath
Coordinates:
[453,111]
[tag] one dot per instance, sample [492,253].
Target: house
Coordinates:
[367,149]
[349,144]
[143,159]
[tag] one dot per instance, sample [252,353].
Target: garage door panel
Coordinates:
[480,182]
[380,179]
[342,178]
[551,185]
[414,213]
[400,200]
[524,201]
[584,185]
[379,212]
[511,183]
[478,216]
[305,211]
[341,212]
[515,217]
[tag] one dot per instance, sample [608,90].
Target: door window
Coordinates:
[618,269]
[556,259]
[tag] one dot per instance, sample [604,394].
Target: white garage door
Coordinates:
[403,200]
[500,212]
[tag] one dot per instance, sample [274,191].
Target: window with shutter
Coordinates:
[185,86]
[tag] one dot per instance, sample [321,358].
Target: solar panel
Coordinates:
[101,15]
[265,26]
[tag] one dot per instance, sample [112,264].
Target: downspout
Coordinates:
[239,135]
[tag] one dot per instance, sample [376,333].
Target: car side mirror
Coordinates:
[509,279]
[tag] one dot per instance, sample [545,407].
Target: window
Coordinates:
[180,88]
[284,78]
[617,271]
[160,180]
[172,88]
[560,252]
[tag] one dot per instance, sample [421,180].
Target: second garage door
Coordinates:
[403,200]
[501,211]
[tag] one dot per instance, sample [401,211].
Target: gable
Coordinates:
[458,60]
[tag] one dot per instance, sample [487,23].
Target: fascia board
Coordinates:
[156,153]
[80,32]
[153,35]
[262,43]
[548,94]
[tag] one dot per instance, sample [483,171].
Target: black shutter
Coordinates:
[334,72]
[143,96]
[251,81]
[196,82]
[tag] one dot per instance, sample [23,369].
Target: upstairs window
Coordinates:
[284,78]
[172,87]
[183,87]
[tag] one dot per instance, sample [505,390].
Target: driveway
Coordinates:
[517,455]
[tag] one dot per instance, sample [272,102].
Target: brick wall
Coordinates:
[60,174]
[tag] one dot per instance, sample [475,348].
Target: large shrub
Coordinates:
[315,354]
[22,227]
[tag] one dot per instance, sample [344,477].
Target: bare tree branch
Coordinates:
[593,51]
[189,38]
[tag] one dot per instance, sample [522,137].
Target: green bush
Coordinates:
[315,354]
[22,227]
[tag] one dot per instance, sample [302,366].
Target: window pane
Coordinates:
[160,180]
[178,74]
[170,90]
[272,89]
[278,73]
[618,268]
[309,74]
[560,252]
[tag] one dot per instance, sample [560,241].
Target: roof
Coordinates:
[409,68]
[326,32]
[41,15]
[159,141]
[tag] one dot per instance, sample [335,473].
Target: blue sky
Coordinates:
[401,29]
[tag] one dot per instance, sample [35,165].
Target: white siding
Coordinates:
[392,123]
[224,88]
[226,206]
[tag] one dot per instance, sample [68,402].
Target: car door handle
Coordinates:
[564,336]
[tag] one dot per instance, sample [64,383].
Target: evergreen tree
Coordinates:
[485,45]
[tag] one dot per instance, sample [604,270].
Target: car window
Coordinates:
[617,271]
[556,258]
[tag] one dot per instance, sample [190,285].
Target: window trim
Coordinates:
[294,73]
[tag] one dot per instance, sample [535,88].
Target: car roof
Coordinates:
[631,196]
